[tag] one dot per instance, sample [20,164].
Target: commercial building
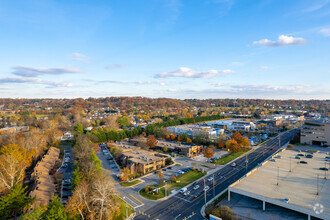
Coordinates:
[142,161]
[287,183]
[188,150]
[194,129]
[234,124]
[315,132]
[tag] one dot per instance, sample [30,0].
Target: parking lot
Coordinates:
[66,169]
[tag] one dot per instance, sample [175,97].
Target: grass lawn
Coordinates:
[161,194]
[178,164]
[131,183]
[229,157]
[186,178]
[312,151]
[202,165]
[122,215]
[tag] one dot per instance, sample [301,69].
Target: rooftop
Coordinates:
[300,185]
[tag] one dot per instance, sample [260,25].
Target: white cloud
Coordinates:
[264,67]
[80,57]
[172,90]
[33,71]
[218,84]
[283,40]
[143,82]
[325,31]
[8,80]
[190,73]
[115,66]
[162,83]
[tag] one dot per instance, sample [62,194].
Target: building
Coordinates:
[188,150]
[193,130]
[16,129]
[142,161]
[299,187]
[315,132]
[234,125]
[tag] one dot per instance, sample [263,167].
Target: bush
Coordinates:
[290,146]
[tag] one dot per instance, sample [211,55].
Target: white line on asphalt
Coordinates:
[135,207]
[134,203]
[183,199]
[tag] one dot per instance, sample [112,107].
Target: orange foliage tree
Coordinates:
[151,141]
[208,152]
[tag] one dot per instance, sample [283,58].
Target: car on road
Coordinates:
[233,164]
[286,200]
[278,156]
[210,179]
[272,148]
[297,157]
[300,155]
[272,160]
[309,156]
[206,188]
[114,167]
[67,160]
[303,162]
[327,158]
[324,168]
[184,189]
[196,187]
[64,166]
[169,168]
[164,169]
[187,193]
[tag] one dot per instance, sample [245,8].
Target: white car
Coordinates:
[187,193]
[196,187]
[286,200]
[210,179]
[206,188]
[183,190]
[233,164]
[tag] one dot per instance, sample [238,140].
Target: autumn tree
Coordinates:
[232,145]
[160,174]
[237,136]
[103,198]
[221,144]
[125,173]
[13,161]
[208,152]
[185,137]
[172,137]
[173,177]
[151,141]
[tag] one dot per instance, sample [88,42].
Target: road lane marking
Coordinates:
[183,199]
[136,199]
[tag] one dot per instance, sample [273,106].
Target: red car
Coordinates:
[272,148]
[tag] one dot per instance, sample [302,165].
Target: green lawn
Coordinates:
[131,183]
[186,178]
[182,181]
[229,157]
[312,151]
[154,196]
[202,165]
[122,215]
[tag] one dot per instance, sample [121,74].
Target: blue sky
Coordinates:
[275,49]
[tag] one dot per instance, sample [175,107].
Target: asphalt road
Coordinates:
[182,206]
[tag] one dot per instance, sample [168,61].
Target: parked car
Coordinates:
[300,155]
[303,162]
[64,166]
[324,168]
[286,200]
[278,156]
[272,148]
[297,157]
[66,184]
[309,156]
[169,168]
[66,188]
[164,169]
[272,160]
[196,187]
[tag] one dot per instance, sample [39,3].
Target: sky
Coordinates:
[270,49]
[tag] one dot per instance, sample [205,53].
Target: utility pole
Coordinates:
[290,163]
[317,192]
[278,175]
[213,187]
[246,162]
[165,189]
[204,192]
[325,170]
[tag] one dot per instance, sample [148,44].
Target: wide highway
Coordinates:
[182,206]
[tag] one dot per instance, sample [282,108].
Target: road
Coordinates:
[180,206]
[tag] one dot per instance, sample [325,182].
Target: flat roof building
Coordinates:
[315,132]
[303,190]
